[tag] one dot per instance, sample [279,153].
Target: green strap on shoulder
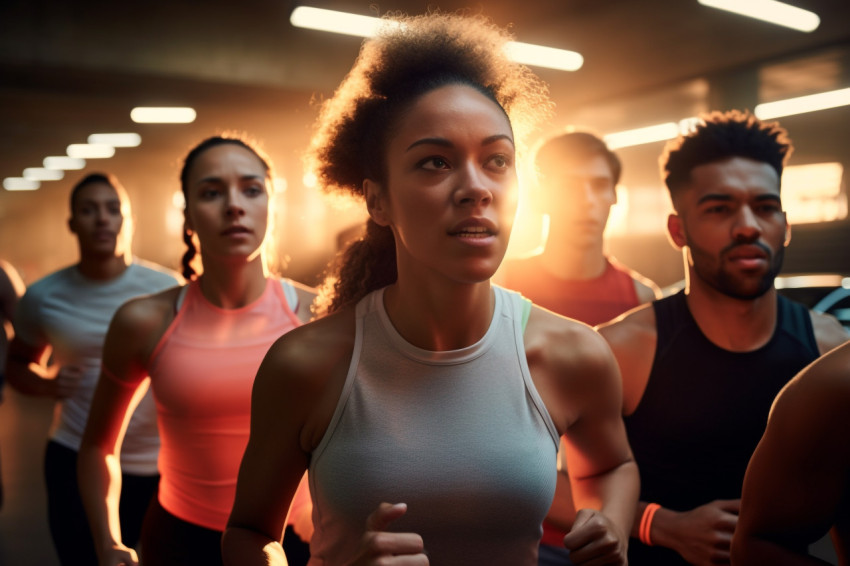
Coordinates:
[526,312]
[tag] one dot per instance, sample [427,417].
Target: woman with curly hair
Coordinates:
[427,404]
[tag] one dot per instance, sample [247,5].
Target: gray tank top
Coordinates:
[461,436]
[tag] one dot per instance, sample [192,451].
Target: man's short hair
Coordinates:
[721,135]
[577,147]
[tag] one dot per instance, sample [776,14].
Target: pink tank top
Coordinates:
[202,372]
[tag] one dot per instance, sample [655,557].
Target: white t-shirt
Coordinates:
[71,313]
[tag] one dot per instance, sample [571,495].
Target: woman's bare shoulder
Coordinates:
[144,314]
[315,350]
[571,365]
[552,332]
[303,375]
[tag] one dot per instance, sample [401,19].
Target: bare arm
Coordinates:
[28,367]
[797,476]
[294,396]
[129,342]
[583,391]
[274,459]
[603,474]
[28,372]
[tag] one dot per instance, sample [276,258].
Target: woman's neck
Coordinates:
[440,318]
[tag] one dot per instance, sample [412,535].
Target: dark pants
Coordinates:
[170,541]
[69,526]
[553,556]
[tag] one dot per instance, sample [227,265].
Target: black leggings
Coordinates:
[170,541]
[69,526]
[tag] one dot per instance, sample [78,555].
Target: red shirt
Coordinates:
[592,301]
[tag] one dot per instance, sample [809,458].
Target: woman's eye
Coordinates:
[500,161]
[434,163]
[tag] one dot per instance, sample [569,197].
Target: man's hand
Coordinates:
[702,535]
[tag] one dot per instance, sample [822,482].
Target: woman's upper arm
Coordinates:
[274,459]
[294,396]
[579,379]
[133,332]
[595,441]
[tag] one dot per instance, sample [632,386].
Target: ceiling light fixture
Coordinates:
[163,115]
[803,104]
[117,140]
[366,26]
[638,136]
[20,184]
[43,174]
[64,162]
[770,11]
[90,150]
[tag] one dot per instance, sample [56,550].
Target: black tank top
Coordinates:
[705,408]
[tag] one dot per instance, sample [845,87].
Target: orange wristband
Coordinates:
[646,523]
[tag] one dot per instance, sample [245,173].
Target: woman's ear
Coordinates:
[376,203]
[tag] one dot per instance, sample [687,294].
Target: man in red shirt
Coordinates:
[573,276]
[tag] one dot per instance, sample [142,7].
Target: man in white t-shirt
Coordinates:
[60,324]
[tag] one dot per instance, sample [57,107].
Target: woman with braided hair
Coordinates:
[201,345]
[428,403]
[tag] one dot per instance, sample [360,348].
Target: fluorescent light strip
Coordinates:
[367,26]
[765,111]
[43,174]
[90,150]
[336,22]
[20,184]
[769,11]
[638,136]
[542,56]
[163,115]
[803,104]
[64,162]
[117,140]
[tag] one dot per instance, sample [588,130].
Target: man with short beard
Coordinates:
[701,368]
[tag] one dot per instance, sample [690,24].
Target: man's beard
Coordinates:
[723,282]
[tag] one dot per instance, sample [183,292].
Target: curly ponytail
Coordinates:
[365,265]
